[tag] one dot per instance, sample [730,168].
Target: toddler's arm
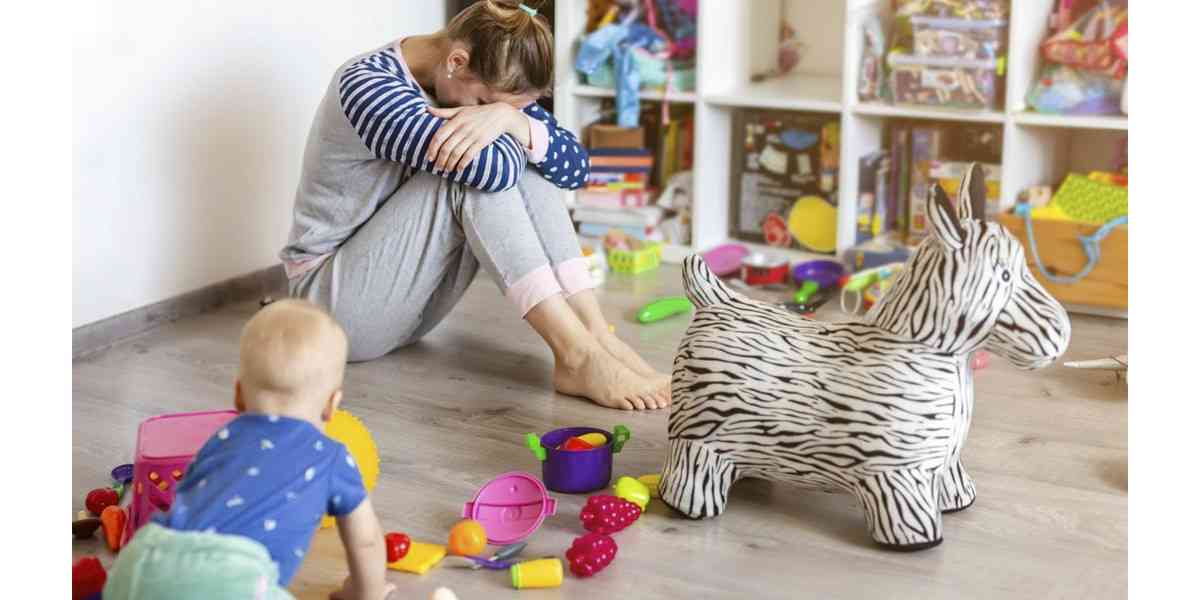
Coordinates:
[363,539]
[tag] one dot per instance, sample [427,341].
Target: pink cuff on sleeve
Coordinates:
[573,276]
[532,288]
[539,140]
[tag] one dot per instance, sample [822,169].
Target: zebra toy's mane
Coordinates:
[880,407]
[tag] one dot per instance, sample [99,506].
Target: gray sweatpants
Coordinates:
[403,271]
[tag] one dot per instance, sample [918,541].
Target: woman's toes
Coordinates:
[637,402]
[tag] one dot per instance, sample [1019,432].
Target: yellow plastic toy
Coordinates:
[347,429]
[420,559]
[595,439]
[813,222]
[651,483]
[541,573]
[632,490]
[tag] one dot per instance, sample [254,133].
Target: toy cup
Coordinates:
[541,573]
[576,471]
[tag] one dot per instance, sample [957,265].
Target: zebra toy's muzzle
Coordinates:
[1033,330]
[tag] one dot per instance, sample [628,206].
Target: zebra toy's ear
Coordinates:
[972,194]
[942,218]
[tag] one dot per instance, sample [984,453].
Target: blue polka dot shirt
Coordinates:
[270,479]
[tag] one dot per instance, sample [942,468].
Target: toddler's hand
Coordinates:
[350,591]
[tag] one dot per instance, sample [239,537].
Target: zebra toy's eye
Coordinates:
[1005,276]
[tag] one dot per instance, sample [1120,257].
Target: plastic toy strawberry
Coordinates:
[608,514]
[87,578]
[397,546]
[589,554]
[99,499]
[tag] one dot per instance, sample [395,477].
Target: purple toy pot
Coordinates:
[576,471]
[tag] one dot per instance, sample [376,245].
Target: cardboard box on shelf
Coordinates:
[604,135]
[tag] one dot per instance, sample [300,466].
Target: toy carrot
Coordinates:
[112,519]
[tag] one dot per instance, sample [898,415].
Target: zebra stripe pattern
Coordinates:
[878,408]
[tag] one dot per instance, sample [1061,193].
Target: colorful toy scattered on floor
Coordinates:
[165,447]
[350,431]
[87,578]
[828,419]
[581,470]
[664,307]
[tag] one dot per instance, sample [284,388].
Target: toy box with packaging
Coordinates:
[1077,241]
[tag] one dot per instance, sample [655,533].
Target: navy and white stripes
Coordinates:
[390,115]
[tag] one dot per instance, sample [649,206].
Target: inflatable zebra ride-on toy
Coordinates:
[879,407]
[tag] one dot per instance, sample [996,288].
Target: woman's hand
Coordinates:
[469,129]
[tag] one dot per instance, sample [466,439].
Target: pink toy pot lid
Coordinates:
[511,507]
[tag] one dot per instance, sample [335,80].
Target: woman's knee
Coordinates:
[534,185]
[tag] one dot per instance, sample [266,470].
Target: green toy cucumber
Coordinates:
[663,308]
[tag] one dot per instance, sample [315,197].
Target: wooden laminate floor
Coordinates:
[1047,449]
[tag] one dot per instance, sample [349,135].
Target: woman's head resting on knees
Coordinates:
[498,51]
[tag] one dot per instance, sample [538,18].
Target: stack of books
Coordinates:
[618,195]
[618,178]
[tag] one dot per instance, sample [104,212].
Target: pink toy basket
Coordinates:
[165,447]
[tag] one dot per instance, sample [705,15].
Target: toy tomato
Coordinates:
[397,546]
[99,499]
[87,578]
[467,538]
[575,444]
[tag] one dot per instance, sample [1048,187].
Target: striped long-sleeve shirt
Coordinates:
[372,131]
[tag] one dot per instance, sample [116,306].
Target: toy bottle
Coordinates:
[541,573]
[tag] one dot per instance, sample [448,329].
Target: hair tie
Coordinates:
[528,9]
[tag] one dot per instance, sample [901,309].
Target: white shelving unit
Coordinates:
[738,37]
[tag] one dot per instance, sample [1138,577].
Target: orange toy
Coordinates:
[467,538]
[112,519]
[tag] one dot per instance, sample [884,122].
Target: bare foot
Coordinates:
[593,373]
[628,357]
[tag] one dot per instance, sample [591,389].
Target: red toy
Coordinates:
[589,554]
[608,514]
[99,499]
[397,546]
[574,444]
[87,578]
[758,269]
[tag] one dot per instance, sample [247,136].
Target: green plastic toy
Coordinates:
[807,289]
[663,308]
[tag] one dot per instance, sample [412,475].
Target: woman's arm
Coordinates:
[564,161]
[394,122]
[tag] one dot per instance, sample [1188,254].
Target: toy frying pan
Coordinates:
[824,272]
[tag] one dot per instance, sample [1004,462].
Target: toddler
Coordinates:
[247,509]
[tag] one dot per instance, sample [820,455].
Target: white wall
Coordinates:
[189,125]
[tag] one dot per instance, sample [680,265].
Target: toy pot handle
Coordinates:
[535,446]
[620,436]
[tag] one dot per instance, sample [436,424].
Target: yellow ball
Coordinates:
[350,431]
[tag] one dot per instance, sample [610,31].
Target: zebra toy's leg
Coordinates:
[696,480]
[956,489]
[902,509]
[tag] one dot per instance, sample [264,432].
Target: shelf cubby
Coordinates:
[738,38]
